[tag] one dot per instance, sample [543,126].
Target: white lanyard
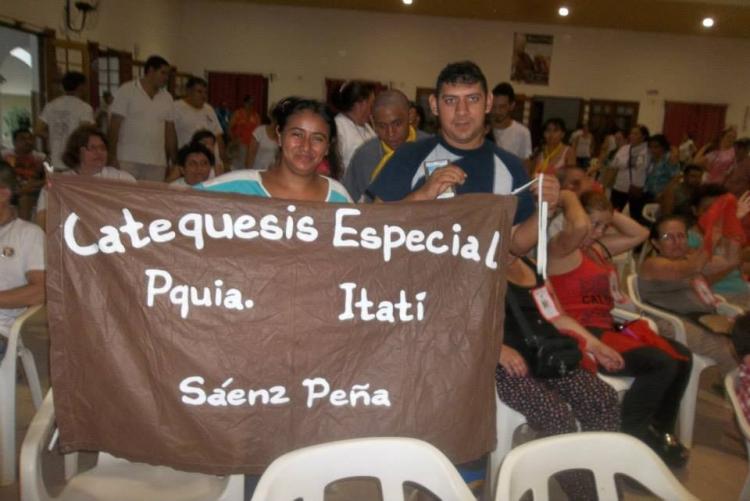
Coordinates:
[543,216]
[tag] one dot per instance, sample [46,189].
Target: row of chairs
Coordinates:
[393,462]
[508,420]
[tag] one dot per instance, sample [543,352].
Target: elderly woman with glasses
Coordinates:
[677,279]
[85,155]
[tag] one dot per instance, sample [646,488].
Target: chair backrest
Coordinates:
[529,466]
[729,382]
[650,212]
[305,473]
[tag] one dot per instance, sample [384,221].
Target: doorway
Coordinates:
[569,109]
[19,82]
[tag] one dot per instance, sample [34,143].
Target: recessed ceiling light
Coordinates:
[708,22]
[563,11]
[407,2]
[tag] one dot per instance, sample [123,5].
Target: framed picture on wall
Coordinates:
[532,58]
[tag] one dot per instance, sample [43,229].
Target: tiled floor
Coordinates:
[716,471]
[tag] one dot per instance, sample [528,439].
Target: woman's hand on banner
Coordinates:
[550,187]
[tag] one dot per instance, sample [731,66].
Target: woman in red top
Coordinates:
[586,284]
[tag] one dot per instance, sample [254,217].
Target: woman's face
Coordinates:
[672,240]
[304,142]
[655,150]
[635,137]
[94,155]
[553,135]
[600,221]
[728,139]
[197,168]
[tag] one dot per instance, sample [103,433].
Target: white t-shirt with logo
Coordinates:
[188,120]
[105,173]
[21,251]
[515,138]
[142,133]
[63,115]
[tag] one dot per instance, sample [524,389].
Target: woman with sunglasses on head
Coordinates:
[585,281]
[307,136]
[675,279]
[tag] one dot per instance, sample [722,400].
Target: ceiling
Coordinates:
[670,16]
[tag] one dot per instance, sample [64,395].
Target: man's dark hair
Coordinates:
[463,72]
[505,89]
[661,140]
[72,80]
[154,63]
[191,148]
[644,132]
[18,132]
[193,81]
[202,134]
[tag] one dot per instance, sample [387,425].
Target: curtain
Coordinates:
[702,122]
[228,90]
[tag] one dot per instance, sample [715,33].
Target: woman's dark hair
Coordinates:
[711,190]
[201,135]
[557,122]
[290,106]
[593,200]
[191,148]
[644,131]
[420,112]
[350,93]
[8,177]
[655,230]
[691,167]
[78,139]
[661,140]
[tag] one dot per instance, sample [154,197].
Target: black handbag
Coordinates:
[554,354]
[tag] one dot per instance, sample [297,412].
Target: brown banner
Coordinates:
[215,332]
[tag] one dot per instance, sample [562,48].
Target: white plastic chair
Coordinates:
[304,473]
[729,381]
[650,212]
[529,466]
[700,363]
[113,478]
[15,349]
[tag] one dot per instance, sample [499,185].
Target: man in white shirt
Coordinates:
[142,137]
[21,259]
[63,115]
[508,134]
[193,113]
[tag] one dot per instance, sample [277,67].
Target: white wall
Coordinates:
[152,25]
[302,46]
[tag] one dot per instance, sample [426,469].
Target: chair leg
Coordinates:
[32,375]
[689,401]
[7,427]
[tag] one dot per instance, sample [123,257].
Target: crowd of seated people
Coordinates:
[373,145]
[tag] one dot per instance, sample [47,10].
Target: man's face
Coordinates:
[23,143]
[197,95]
[392,124]
[461,109]
[501,109]
[160,76]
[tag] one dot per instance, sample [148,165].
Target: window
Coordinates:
[109,73]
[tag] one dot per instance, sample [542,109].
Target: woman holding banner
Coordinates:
[307,136]
[587,286]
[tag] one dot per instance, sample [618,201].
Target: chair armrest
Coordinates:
[34,448]
[629,316]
